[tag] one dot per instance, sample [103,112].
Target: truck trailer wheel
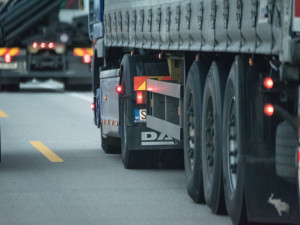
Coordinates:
[212,137]
[110,145]
[192,130]
[286,143]
[233,144]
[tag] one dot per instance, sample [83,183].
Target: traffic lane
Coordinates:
[89,187]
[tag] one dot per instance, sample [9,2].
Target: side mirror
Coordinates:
[1,33]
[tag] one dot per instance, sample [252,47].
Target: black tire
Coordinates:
[110,145]
[286,143]
[192,129]
[234,142]
[212,137]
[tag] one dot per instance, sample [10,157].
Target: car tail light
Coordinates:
[268,83]
[7,58]
[269,109]
[43,45]
[119,89]
[86,58]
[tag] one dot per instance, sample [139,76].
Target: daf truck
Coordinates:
[218,79]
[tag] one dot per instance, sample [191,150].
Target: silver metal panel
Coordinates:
[184,25]
[207,28]
[132,28]
[109,107]
[264,28]
[233,30]
[221,25]
[165,26]
[174,21]
[156,26]
[277,27]
[109,73]
[114,38]
[170,129]
[196,26]
[165,88]
[140,26]
[125,27]
[249,21]
[148,26]
[169,29]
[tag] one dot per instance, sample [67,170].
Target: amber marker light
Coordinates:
[269,109]
[268,83]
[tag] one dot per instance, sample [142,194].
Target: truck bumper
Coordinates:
[74,70]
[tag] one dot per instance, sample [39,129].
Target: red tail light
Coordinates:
[268,83]
[35,45]
[43,45]
[269,109]
[86,58]
[119,89]
[139,97]
[93,106]
[7,58]
[51,45]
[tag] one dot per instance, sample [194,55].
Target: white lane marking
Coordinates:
[81,96]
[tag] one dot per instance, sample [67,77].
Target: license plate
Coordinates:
[8,66]
[140,115]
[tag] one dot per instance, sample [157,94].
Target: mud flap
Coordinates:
[269,198]
[143,138]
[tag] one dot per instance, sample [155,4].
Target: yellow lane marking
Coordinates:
[3,114]
[46,151]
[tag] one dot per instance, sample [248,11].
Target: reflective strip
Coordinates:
[82,51]
[140,83]
[11,51]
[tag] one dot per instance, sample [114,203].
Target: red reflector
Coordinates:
[7,58]
[93,106]
[86,58]
[35,45]
[119,89]
[43,45]
[139,97]
[51,45]
[268,83]
[269,109]
[297,8]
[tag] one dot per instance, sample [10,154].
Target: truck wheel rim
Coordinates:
[191,133]
[209,138]
[232,151]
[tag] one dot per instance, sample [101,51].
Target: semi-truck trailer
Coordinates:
[45,39]
[217,78]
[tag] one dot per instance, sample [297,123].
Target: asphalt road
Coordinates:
[54,172]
